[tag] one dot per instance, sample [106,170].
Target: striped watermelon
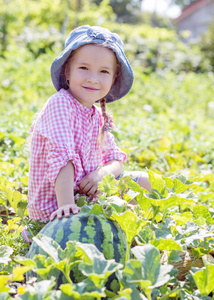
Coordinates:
[106,235]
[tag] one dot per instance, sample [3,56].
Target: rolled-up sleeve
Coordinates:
[58,158]
[111,151]
[56,126]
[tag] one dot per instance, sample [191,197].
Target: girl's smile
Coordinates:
[91,73]
[90,88]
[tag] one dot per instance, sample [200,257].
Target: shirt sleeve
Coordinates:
[56,126]
[111,151]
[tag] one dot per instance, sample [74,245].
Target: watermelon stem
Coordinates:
[127,251]
[67,272]
[68,278]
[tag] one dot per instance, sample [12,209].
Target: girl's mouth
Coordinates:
[88,88]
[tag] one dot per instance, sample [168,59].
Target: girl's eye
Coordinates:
[83,68]
[105,71]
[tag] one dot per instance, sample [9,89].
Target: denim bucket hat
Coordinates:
[84,35]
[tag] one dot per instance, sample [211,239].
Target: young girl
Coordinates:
[71,146]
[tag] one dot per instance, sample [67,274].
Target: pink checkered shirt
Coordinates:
[65,130]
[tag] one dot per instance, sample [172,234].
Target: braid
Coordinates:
[103,110]
[106,120]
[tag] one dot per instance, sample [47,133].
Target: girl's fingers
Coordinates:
[97,193]
[92,190]
[53,215]
[66,211]
[89,189]
[82,184]
[86,188]
[59,214]
[75,210]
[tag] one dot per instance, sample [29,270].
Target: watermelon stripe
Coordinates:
[97,228]
[121,245]
[107,246]
[117,254]
[74,231]
[90,230]
[59,235]
[49,230]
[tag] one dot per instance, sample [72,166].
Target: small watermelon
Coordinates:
[106,235]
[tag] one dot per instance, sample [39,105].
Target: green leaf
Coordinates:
[44,273]
[132,271]
[9,195]
[134,186]
[125,294]
[13,197]
[182,219]
[174,256]
[5,296]
[132,277]
[99,270]
[169,182]
[171,201]
[117,203]
[145,235]
[48,245]
[25,261]
[5,252]
[129,222]
[96,266]
[202,211]
[108,185]
[149,257]
[90,252]
[19,271]
[17,196]
[39,290]
[157,182]
[180,187]
[83,290]
[4,280]
[144,203]
[179,219]
[96,209]
[69,252]
[204,279]
[166,244]
[152,270]
[22,205]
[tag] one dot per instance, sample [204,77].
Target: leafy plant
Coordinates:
[165,125]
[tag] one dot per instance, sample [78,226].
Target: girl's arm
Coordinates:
[65,193]
[89,184]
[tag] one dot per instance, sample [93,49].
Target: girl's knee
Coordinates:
[145,183]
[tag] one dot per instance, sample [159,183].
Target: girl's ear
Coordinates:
[67,71]
[117,73]
[115,78]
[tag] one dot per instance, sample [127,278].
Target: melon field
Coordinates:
[165,248]
[165,125]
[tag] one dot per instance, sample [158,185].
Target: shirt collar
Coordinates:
[88,111]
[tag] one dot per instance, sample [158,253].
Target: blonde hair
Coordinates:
[106,124]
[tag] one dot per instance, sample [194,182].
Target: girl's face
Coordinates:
[91,73]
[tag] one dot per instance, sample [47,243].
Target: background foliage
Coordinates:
[165,124]
[182,3]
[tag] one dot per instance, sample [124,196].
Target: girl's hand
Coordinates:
[89,184]
[65,210]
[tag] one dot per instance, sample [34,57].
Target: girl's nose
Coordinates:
[92,79]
